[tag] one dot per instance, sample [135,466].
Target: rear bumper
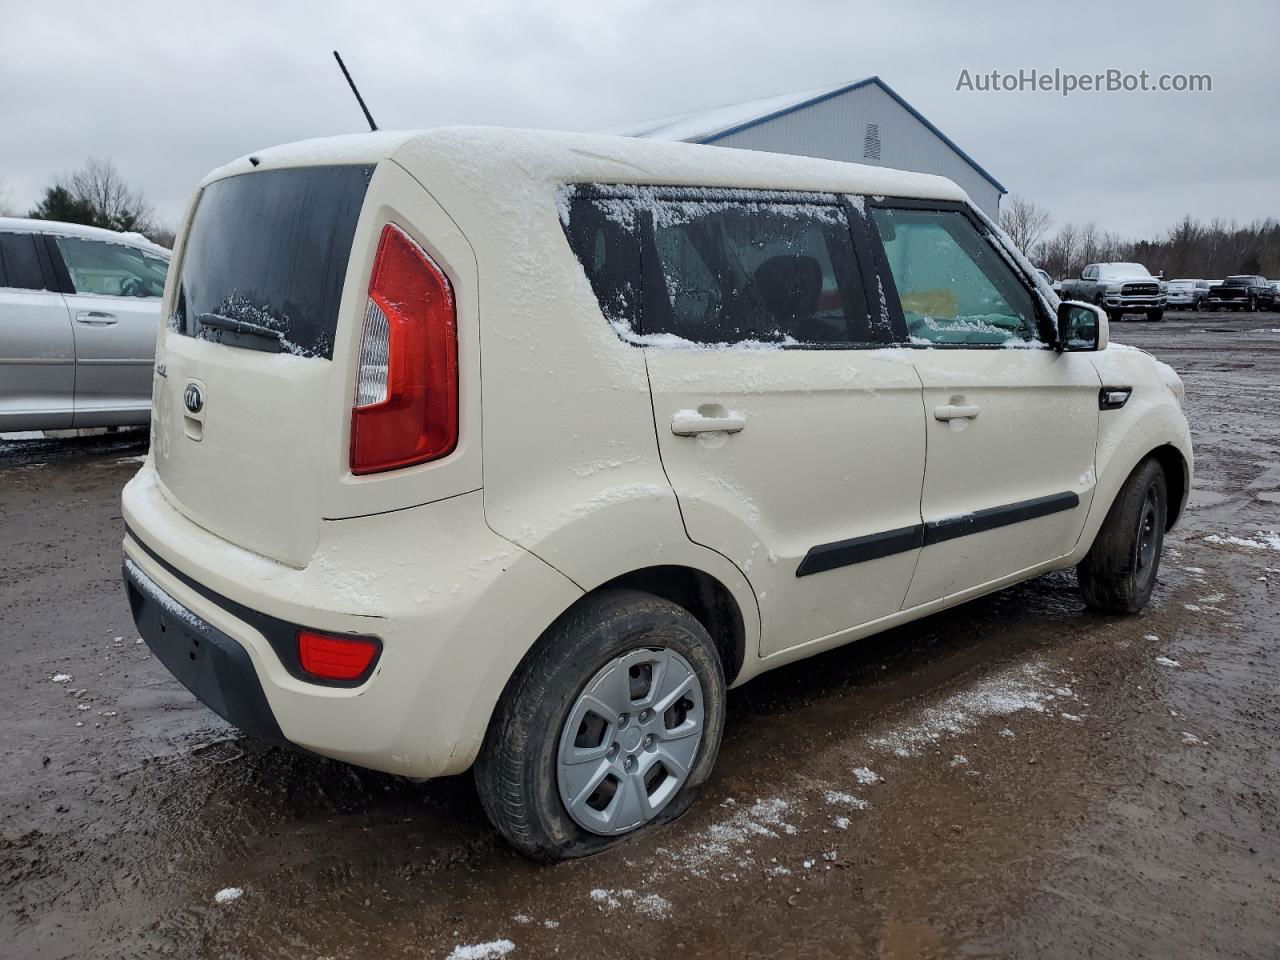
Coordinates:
[212,665]
[454,605]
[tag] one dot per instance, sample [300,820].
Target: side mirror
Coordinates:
[1081,327]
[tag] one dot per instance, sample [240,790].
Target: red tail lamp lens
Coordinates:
[335,658]
[406,407]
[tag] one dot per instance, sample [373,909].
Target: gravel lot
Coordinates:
[1018,777]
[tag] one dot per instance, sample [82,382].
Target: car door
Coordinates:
[115,309]
[1011,424]
[788,422]
[37,353]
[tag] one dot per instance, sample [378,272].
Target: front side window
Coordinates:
[112,269]
[741,271]
[19,264]
[954,287]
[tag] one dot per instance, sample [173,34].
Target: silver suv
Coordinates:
[79,308]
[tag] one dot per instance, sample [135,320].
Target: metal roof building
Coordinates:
[861,122]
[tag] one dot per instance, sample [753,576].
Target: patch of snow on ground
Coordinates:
[1013,690]
[1190,739]
[841,823]
[865,775]
[1167,662]
[1071,717]
[61,678]
[841,799]
[648,904]
[730,837]
[1262,540]
[482,951]
[228,895]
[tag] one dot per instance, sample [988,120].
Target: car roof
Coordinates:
[498,158]
[60,229]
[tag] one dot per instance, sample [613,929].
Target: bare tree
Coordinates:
[96,195]
[1023,221]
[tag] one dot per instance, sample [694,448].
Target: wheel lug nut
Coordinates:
[630,763]
[644,716]
[613,751]
[648,741]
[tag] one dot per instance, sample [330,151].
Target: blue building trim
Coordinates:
[738,128]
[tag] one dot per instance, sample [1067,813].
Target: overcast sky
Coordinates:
[169,91]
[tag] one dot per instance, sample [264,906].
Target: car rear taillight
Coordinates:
[328,657]
[406,401]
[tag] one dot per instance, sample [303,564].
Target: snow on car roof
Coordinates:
[58,228]
[507,154]
[549,156]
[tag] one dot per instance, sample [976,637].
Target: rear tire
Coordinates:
[1119,571]
[531,780]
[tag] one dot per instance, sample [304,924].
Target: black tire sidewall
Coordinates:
[539,700]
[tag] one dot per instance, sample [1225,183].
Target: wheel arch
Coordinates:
[1177,474]
[708,600]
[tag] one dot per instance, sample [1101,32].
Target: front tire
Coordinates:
[1155,316]
[610,725]
[1119,571]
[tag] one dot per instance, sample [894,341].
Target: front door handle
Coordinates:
[955,411]
[95,318]
[688,423]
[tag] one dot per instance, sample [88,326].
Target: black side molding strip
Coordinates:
[843,553]
[981,521]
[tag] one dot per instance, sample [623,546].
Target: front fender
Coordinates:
[1152,420]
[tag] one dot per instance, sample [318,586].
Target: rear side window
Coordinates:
[19,264]
[603,234]
[744,271]
[265,258]
[112,269]
[953,286]
[673,266]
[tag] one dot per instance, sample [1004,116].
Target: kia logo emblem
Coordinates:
[194,398]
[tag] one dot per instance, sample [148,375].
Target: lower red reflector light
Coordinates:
[328,657]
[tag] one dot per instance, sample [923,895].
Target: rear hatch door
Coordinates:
[255,366]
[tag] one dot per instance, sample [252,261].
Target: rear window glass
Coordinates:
[673,266]
[767,272]
[265,258]
[19,266]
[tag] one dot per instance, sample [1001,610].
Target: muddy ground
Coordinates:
[1018,777]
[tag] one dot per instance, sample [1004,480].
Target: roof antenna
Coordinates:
[359,99]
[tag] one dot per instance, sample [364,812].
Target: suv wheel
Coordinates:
[611,725]
[1119,571]
[1253,305]
[1155,316]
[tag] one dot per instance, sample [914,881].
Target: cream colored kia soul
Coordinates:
[513,450]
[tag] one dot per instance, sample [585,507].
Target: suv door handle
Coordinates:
[955,411]
[687,423]
[95,318]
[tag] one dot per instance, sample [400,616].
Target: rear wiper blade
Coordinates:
[244,328]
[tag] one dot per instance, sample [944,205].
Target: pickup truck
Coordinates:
[1118,288]
[1246,292]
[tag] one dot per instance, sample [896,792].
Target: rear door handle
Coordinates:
[95,318]
[955,411]
[687,423]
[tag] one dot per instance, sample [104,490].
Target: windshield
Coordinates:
[266,256]
[1123,270]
